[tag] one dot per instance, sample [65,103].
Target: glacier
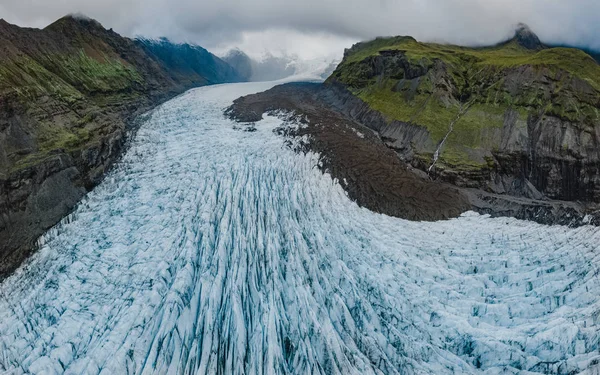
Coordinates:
[210,249]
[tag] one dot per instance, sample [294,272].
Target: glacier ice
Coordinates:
[211,250]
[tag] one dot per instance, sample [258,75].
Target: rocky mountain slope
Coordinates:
[514,127]
[370,172]
[68,94]
[189,65]
[518,118]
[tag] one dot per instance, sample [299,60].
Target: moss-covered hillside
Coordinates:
[67,94]
[466,98]
[68,79]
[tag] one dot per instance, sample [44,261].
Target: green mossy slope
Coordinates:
[432,85]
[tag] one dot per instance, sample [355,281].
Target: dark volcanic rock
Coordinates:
[527,38]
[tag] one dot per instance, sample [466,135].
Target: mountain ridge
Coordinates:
[69,94]
[492,116]
[515,126]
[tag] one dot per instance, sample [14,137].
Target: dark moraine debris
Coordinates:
[351,139]
[369,171]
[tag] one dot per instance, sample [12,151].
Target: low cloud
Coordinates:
[317,27]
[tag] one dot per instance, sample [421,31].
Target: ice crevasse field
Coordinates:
[213,250]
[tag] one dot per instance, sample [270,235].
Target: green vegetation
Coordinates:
[434,86]
[56,137]
[506,55]
[476,126]
[65,76]
[65,80]
[96,74]
[29,80]
[52,139]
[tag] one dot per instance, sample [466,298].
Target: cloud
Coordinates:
[313,27]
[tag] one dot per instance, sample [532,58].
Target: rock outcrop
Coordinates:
[371,173]
[518,119]
[68,96]
[527,38]
[353,141]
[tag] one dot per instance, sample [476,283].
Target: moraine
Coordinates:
[210,249]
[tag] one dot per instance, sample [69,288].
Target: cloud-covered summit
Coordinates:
[314,27]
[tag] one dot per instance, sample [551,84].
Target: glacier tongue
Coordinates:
[212,250]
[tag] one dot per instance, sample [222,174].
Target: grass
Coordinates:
[427,110]
[476,127]
[29,80]
[482,79]
[57,137]
[459,160]
[423,109]
[97,75]
[65,76]
[52,138]
[66,79]
[382,98]
[511,54]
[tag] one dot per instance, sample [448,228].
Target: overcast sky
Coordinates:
[313,28]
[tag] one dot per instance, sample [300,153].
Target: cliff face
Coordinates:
[68,95]
[518,118]
[367,170]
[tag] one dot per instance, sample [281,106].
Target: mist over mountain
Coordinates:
[316,27]
[270,68]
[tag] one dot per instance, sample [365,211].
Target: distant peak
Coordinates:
[235,52]
[79,16]
[76,19]
[527,38]
[3,22]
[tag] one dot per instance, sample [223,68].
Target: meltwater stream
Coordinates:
[212,250]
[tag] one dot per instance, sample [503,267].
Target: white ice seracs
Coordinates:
[214,250]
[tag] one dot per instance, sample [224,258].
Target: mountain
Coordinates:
[426,131]
[241,62]
[518,118]
[189,64]
[272,68]
[269,68]
[526,38]
[68,95]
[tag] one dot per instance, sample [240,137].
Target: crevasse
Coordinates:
[212,250]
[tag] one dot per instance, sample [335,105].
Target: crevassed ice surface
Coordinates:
[212,250]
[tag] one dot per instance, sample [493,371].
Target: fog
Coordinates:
[314,28]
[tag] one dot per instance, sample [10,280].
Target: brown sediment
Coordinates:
[350,140]
[370,172]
